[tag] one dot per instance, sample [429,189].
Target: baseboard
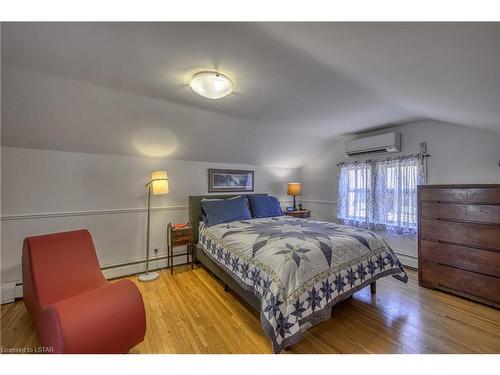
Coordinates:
[11,291]
[8,291]
[133,269]
[14,290]
[407,260]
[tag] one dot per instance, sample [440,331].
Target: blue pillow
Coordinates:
[264,206]
[225,210]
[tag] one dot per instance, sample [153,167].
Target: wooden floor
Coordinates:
[189,312]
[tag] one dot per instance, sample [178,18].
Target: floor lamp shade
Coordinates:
[159,182]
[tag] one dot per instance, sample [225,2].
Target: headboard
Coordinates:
[195,208]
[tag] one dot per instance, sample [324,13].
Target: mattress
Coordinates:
[298,268]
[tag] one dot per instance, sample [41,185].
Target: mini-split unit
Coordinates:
[375,144]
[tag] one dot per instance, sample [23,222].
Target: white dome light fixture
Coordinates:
[212,85]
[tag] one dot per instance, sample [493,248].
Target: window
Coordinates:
[358,188]
[380,194]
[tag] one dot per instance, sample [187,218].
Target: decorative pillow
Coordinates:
[264,206]
[218,211]
[203,216]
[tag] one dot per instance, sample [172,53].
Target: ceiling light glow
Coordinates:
[212,85]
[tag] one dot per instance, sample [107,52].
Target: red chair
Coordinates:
[74,308]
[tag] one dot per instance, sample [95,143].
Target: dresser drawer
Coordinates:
[483,261]
[465,282]
[484,213]
[467,212]
[443,194]
[436,210]
[483,195]
[482,235]
[472,195]
[444,231]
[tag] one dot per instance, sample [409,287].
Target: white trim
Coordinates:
[111,211]
[18,292]
[318,201]
[133,269]
[407,260]
[14,289]
[8,292]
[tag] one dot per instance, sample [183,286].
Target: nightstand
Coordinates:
[179,237]
[299,213]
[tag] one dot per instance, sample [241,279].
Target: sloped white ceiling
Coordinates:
[121,88]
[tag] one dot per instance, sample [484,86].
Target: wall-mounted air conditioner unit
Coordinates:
[375,144]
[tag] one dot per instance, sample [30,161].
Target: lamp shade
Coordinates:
[294,188]
[159,182]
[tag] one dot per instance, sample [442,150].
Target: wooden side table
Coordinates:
[299,213]
[179,237]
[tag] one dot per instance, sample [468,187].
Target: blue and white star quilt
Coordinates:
[298,268]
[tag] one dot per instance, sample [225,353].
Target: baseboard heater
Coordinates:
[14,290]
[132,263]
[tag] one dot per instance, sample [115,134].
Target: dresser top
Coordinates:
[460,186]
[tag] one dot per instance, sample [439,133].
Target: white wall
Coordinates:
[50,191]
[458,155]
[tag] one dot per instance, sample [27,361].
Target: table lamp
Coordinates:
[158,185]
[294,189]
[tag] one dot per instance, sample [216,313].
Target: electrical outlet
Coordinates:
[156,251]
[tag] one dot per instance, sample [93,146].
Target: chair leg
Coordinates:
[373,287]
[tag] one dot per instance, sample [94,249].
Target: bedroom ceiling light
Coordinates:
[212,85]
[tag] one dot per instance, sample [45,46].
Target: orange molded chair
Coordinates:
[74,308]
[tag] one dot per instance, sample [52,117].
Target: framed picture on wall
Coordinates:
[229,180]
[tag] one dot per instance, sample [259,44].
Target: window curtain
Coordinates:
[381,194]
[355,200]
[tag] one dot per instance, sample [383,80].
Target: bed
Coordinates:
[291,270]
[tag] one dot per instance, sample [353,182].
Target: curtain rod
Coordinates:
[423,153]
[359,161]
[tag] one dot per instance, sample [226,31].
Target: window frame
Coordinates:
[411,171]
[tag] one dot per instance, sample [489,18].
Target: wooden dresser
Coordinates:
[459,240]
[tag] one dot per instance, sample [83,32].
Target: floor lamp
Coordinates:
[157,185]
